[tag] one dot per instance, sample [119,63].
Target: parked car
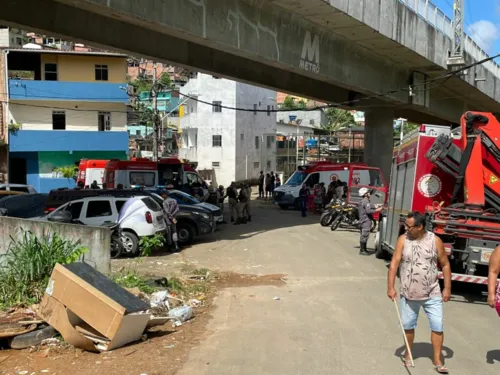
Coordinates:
[192,221]
[189,200]
[9,193]
[146,220]
[18,187]
[23,206]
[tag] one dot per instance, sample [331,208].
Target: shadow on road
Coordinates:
[492,356]
[424,350]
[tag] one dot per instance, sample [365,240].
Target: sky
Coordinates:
[482,21]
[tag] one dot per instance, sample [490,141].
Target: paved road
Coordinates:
[333,316]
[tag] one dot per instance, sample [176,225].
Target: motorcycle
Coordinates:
[116,243]
[349,217]
[331,211]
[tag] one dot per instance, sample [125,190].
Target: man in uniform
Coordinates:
[244,198]
[234,206]
[171,208]
[246,210]
[365,211]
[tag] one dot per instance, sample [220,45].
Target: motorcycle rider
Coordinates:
[365,211]
[171,208]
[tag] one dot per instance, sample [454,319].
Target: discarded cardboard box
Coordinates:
[117,316]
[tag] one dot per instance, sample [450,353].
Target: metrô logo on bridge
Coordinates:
[309,59]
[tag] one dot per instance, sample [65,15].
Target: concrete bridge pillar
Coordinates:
[379,133]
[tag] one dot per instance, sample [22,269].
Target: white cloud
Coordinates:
[484,33]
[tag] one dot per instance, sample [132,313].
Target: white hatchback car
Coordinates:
[138,217]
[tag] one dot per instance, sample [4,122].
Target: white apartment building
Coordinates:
[235,145]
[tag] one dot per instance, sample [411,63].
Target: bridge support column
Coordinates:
[379,133]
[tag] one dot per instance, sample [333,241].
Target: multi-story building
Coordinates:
[62,106]
[232,144]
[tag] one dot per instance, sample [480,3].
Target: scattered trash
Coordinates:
[97,362]
[276,298]
[51,341]
[170,346]
[177,323]
[144,337]
[135,291]
[181,314]
[194,302]
[129,353]
[33,338]
[44,371]
[22,372]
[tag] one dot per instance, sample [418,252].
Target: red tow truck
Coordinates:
[454,177]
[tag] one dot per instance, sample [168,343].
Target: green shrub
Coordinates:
[131,279]
[67,172]
[148,244]
[28,264]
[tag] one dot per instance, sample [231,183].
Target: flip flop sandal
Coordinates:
[406,362]
[440,369]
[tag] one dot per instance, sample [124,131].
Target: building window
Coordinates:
[58,120]
[216,140]
[270,140]
[256,165]
[137,132]
[268,164]
[104,121]
[311,121]
[242,137]
[255,109]
[281,121]
[269,110]
[257,142]
[50,72]
[216,164]
[101,72]
[216,106]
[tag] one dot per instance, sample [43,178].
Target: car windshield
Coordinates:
[296,179]
[184,198]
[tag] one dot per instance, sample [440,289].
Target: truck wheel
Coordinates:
[185,233]
[130,243]
[380,252]
[336,223]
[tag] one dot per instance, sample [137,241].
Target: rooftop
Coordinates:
[61,52]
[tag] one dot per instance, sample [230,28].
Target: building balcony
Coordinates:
[68,91]
[67,140]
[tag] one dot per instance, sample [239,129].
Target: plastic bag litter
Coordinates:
[181,314]
[159,299]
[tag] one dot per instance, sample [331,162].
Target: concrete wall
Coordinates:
[208,123]
[78,68]
[291,129]
[97,240]
[250,159]
[307,118]
[37,115]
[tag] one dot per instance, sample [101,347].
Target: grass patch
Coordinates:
[131,279]
[28,264]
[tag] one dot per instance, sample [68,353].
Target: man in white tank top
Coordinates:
[417,254]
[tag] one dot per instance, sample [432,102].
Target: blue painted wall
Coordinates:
[58,90]
[67,140]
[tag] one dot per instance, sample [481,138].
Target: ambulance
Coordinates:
[90,171]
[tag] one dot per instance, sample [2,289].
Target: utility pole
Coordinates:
[154,93]
[456,57]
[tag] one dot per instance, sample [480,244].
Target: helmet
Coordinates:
[363,192]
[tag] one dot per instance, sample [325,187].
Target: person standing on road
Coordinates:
[261,184]
[171,208]
[417,255]
[277,182]
[493,288]
[268,184]
[303,196]
[243,197]
[365,211]
[234,206]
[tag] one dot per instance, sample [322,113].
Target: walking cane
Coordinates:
[403,331]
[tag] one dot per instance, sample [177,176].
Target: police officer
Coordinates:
[234,206]
[171,208]
[213,197]
[366,211]
[245,194]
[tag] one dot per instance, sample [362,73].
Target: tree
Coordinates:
[290,104]
[337,119]
[407,128]
[145,84]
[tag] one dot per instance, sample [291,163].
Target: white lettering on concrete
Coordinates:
[309,60]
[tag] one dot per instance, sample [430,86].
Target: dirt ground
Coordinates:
[162,353]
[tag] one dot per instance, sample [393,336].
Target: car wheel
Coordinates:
[185,233]
[130,243]
[284,206]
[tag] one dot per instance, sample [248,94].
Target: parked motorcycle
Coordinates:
[116,243]
[349,217]
[331,211]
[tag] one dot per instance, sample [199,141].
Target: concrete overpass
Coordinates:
[341,51]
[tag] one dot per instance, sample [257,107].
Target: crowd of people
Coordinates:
[267,184]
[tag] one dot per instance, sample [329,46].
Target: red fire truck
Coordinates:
[451,176]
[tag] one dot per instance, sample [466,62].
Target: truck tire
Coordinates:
[336,222]
[185,233]
[130,243]
[380,252]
